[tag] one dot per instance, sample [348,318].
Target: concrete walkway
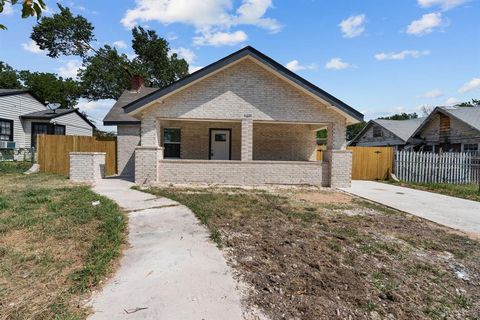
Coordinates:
[171,269]
[452,212]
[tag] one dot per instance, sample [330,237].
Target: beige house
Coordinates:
[244,119]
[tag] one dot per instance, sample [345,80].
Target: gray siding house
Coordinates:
[22,117]
[387,133]
[449,129]
[244,119]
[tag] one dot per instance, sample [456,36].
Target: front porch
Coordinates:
[235,152]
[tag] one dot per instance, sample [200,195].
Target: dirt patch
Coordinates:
[308,259]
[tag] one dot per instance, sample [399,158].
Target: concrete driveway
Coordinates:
[452,212]
[171,269]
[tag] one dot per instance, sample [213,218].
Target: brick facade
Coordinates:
[128,138]
[270,120]
[87,166]
[240,172]
[340,165]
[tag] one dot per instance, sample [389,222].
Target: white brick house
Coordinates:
[244,119]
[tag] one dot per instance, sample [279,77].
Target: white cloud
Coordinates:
[218,39]
[120,44]
[451,101]
[444,4]
[32,47]
[192,69]
[296,66]
[8,9]
[185,53]
[471,85]
[435,93]
[353,26]
[401,55]
[426,24]
[70,70]
[212,19]
[337,64]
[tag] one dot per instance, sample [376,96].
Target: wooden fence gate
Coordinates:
[371,163]
[53,152]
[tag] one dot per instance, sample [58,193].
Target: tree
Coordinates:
[354,129]
[30,8]
[153,58]
[106,73]
[472,103]
[8,77]
[401,116]
[48,87]
[101,80]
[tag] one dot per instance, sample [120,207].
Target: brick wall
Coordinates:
[146,164]
[128,138]
[87,166]
[340,168]
[240,172]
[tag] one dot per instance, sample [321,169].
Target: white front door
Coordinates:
[220,144]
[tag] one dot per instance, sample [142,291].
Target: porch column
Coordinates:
[149,153]
[247,138]
[339,159]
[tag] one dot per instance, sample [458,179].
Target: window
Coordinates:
[377,132]
[470,147]
[46,128]
[171,142]
[6,130]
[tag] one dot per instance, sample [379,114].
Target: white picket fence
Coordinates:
[429,167]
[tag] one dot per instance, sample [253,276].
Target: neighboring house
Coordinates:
[244,119]
[22,117]
[449,129]
[386,133]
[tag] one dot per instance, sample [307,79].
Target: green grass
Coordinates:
[54,245]
[14,166]
[465,191]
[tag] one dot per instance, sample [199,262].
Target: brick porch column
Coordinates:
[247,138]
[339,159]
[149,153]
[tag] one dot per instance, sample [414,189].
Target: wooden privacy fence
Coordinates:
[429,167]
[53,152]
[371,163]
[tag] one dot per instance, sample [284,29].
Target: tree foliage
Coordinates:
[30,8]
[49,87]
[401,116]
[472,103]
[105,72]
[8,77]
[103,79]
[354,129]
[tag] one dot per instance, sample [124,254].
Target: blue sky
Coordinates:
[379,56]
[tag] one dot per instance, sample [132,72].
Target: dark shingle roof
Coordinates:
[117,115]
[7,92]
[51,114]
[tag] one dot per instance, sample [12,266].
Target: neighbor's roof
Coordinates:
[8,92]
[117,115]
[468,115]
[403,129]
[262,58]
[51,114]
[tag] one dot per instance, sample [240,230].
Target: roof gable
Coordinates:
[257,56]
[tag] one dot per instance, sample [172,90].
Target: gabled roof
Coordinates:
[402,129]
[236,56]
[49,114]
[468,115]
[117,115]
[11,92]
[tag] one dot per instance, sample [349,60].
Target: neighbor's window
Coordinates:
[171,142]
[377,132]
[470,147]
[6,130]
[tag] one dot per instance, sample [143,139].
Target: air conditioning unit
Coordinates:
[8,144]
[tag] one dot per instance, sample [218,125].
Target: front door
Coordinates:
[220,144]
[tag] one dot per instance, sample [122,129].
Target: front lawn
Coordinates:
[56,243]
[465,191]
[311,254]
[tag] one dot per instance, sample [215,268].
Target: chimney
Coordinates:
[136,82]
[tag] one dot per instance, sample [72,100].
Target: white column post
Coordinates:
[247,138]
[149,153]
